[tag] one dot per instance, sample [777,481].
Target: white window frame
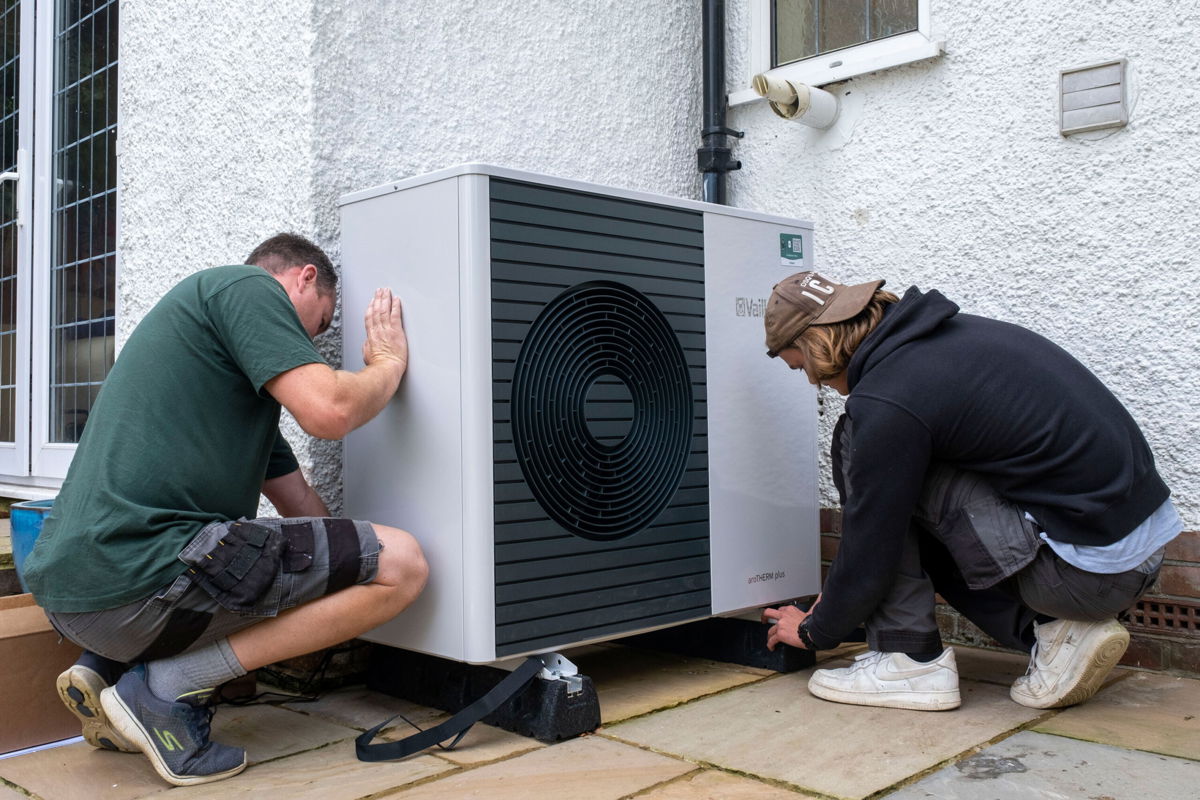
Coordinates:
[837,65]
[15,456]
[36,463]
[48,459]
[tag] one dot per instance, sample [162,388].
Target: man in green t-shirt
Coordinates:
[151,559]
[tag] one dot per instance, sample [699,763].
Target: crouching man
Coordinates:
[978,460]
[151,559]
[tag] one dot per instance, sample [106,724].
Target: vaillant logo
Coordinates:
[750,306]
[767,576]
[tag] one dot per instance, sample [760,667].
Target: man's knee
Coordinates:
[402,564]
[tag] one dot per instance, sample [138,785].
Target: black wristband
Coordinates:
[804,635]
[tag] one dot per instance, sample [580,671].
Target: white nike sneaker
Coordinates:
[1069,662]
[891,680]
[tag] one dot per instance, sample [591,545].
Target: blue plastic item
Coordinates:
[27,519]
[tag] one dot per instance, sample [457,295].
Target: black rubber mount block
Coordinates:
[736,641]
[544,710]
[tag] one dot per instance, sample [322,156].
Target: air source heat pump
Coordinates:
[589,441]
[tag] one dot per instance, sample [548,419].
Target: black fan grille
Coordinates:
[558,581]
[596,486]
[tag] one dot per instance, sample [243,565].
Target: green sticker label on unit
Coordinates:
[791,249]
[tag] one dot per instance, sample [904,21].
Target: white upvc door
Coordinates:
[48,458]
[63,256]
[16,147]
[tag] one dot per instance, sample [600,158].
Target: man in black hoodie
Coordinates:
[978,460]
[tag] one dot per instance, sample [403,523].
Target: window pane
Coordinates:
[806,28]
[84,225]
[10,49]
[8,432]
[890,17]
[795,30]
[841,23]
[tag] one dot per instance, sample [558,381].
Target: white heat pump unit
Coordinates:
[590,440]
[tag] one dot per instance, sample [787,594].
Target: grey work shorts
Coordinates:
[317,557]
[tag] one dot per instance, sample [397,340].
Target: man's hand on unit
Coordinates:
[386,340]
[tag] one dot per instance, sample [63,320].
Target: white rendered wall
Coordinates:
[216,131]
[593,91]
[242,119]
[951,174]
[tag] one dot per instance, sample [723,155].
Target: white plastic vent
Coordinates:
[1093,97]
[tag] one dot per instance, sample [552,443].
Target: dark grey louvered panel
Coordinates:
[555,583]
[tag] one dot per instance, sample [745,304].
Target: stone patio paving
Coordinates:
[678,728]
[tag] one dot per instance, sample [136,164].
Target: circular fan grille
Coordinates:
[594,341]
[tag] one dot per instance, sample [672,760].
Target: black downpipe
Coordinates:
[714,156]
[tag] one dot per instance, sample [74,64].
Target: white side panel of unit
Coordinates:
[475,356]
[404,468]
[762,426]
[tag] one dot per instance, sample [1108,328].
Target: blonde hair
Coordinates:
[828,348]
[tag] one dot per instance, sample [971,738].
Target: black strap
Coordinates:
[457,726]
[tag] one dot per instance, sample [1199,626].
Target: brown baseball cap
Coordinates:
[807,298]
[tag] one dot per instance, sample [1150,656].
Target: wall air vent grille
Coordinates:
[599,415]
[1156,615]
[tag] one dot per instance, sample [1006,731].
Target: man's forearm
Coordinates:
[292,496]
[359,396]
[330,403]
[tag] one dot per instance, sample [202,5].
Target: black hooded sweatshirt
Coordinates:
[930,384]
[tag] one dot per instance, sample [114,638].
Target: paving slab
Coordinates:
[80,772]
[268,732]
[330,773]
[630,681]
[1036,765]
[588,768]
[990,666]
[842,651]
[11,794]
[483,743]
[1145,711]
[360,708]
[777,730]
[711,784]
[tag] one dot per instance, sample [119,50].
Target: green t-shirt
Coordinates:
[182,434]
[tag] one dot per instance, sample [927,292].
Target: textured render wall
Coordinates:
[951,174]
[587,90]
[242,119]
[216,142]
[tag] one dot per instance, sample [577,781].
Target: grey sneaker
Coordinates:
[173,735]
[79,688]
[1069,662]
[891,680]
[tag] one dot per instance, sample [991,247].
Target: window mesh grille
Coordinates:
[83,251]
[10,55]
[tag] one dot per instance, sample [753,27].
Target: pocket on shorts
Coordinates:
[299,546]
[237,564]
[171,593]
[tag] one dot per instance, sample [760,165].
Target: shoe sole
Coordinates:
[1087,679]
[79,688]
[939,701]
[122,718]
